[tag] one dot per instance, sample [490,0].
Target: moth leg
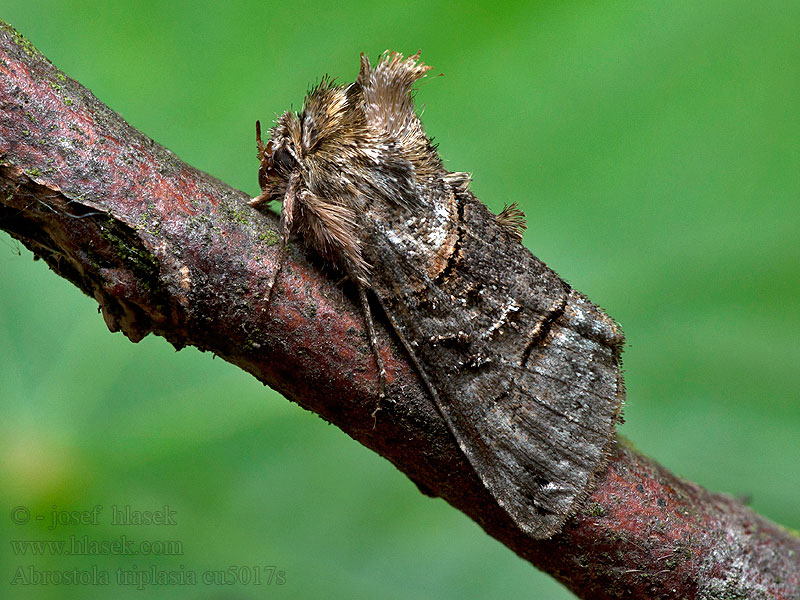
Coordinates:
[287,214]
[373,342]
[260,199]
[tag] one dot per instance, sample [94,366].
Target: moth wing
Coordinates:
[526,374]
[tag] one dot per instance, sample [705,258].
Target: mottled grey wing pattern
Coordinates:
[524,369]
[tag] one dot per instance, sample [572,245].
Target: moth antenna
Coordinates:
[264,196]
[512,220]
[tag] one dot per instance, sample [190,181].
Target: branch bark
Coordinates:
[166,249]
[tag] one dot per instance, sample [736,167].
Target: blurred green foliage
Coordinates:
[656,150]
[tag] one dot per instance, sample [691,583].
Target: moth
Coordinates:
[524,369]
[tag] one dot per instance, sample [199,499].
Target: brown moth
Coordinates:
[524,369]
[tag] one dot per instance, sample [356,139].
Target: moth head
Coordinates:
[277,161]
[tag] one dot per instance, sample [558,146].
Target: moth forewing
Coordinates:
[524,370]
[531,397]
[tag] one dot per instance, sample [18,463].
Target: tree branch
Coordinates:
[167,249]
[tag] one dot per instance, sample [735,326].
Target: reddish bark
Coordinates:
[167,249]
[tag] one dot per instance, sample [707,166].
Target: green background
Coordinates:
[655,148]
